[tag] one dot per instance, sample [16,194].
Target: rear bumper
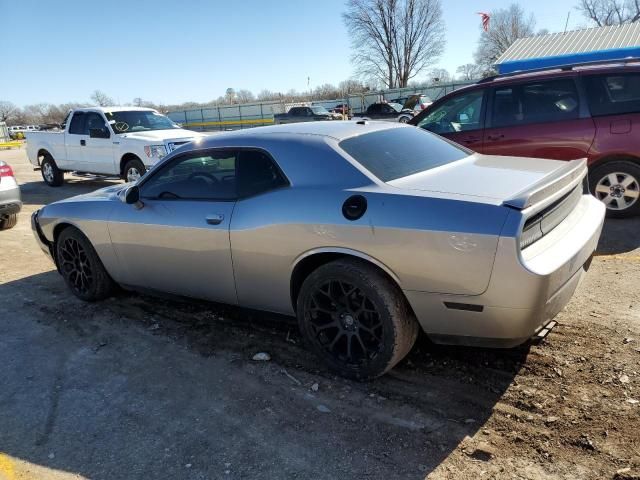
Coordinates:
[41,240]
[525,291]
[10,200]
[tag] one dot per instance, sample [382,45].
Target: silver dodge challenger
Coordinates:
[366,231]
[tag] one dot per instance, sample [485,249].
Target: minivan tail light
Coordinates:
[5,171]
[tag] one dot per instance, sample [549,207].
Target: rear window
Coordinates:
[613,94]
[400,152]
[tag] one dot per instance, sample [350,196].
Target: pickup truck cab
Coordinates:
[122,141]
[313,113]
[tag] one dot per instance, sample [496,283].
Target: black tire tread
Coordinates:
[405,325]
[9,221]
[103,286]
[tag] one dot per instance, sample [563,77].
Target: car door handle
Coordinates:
[495,137]
[83,143]
[214,219]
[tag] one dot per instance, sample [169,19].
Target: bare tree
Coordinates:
[610,12]
[440,75]
[7,110]
[326,92]
[101,98]
[507,25]
[394,40]
[469,71]
[245,96]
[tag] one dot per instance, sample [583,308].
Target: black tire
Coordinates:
[51,174]
[81,267]
[360,343]
[133,164]
[9,221]
[617,184]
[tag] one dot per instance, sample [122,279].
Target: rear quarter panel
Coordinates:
[426,244]
[616,136]
[52,142]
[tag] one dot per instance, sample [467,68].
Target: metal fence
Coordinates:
[234,117]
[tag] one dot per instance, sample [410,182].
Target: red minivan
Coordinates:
[574,112]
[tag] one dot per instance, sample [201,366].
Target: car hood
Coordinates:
[163,135]
[106,193]
[500,179]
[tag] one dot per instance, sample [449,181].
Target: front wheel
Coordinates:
[355,319]
[133,170]
[81,267]
[51,174]
[617,184]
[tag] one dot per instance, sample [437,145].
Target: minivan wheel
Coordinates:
[81,267]
[617,184]
[51,174]
[355,319]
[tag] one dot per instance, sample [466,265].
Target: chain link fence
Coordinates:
[238,116]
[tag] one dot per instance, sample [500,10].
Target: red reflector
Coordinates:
[5,171]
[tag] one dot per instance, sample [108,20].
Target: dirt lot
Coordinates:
[139,387]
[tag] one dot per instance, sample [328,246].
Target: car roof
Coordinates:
[113,109]
[338,130]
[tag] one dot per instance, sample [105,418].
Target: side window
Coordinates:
[93,120]
[77,123]
[257,173]
[375,108]
[613,94]
[296,111]
[459,113]
[538,102]
[210,176]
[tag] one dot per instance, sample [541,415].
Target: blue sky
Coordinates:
[193,50]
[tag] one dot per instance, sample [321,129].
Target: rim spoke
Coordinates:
[602,188]
[613,179]
[632,193]
[629,180]
[607,200]
[621,203]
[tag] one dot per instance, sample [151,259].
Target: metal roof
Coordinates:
[599,43]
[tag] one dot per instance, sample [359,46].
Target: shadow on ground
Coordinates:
[140,387]
[39,193]
[619,236]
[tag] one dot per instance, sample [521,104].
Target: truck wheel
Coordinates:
[133,170]
[51,174]
[617,184]
[355,319]
[9,221]
[81,267]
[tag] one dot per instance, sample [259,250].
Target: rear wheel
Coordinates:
[51,174]
[617,185]
[81,267]
[355,319]
[9,221]
[133,170]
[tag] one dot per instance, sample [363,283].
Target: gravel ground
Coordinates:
[139,388]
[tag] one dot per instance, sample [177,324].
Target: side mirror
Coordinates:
[99,133]
[131,196]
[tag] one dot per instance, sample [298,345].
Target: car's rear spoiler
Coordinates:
[557,183]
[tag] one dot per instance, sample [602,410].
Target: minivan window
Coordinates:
[536,102]
[613,94]
[399,152]
[458,114]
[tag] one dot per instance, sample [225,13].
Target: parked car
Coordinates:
[383,111]
[588,112]
[16,132]
[10,201]
[121,141]
[313,113]
[367,231]
[343,109]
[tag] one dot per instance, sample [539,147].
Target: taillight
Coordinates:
[5,171]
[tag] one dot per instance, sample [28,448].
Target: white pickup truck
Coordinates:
[122,141]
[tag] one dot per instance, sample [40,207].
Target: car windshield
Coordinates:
[396,106]
[399,152]
[319,110]
[138,121]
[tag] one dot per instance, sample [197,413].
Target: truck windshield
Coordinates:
[138,121]
[319,110]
